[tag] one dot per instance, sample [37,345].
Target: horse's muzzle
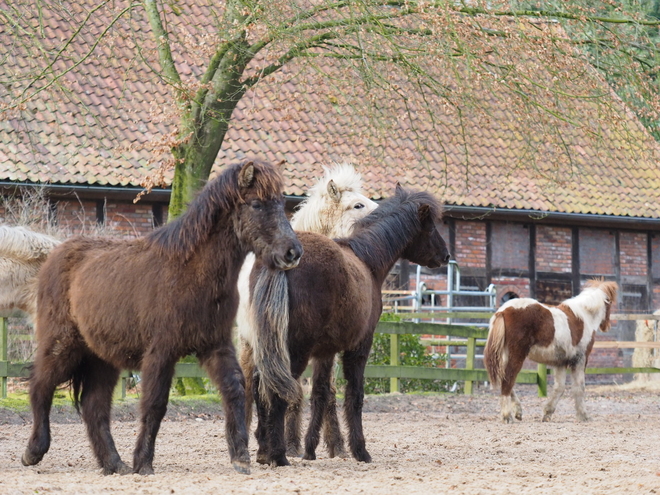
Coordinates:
[290,259]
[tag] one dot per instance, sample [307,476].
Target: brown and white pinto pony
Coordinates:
[559,336]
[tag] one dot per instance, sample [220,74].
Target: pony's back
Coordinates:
[24,244]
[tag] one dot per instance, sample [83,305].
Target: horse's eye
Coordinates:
[256,204]
[358,206]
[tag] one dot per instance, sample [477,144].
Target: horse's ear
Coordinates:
[398,190]
[424,211]
[246,175]
[333,191]
[281,163]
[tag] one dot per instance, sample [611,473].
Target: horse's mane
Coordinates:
[25,244]
[382,235]
[309,215]
[597,295]
[218,198]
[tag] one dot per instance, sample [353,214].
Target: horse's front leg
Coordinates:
[247,365]
[354,363]
[98,383]
[577,375]
[331,430]
[261,432]
[270,427]
[557,392]
[319,402]
[157,373]
[222,367]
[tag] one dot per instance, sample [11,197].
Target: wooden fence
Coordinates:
[471,337]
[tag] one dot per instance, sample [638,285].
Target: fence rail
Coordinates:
[472,336]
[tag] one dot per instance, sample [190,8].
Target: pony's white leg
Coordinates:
[516,406]
[578,392]
[557,392]
[505,409]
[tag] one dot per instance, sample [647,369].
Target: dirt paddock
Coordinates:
[419,444]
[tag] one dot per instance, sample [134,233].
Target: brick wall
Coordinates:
[76,217]
[632,246]
[597,252]
[553,249]
[510,246]
[517,285]
[470,244]
[129,219]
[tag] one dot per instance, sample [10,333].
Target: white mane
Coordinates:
[333,215]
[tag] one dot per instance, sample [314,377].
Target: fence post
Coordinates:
[542,379]
[3,354]
[469,361]
[120,388]
[394,361]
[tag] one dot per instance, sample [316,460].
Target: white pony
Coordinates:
[334,204]
[22,252]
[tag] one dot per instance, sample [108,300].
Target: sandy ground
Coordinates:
[420,444]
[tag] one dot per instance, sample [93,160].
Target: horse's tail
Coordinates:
[495,354]
[270,313]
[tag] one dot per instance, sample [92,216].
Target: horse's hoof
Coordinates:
[507,419]
[293,450]
[119,468]
[281,461]
[519,416]
[263,458]
[29,459]
[309,456]
[363,457]
[144,471]
[547,418]
[583,418]
[242,467]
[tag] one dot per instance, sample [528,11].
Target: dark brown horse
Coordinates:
[106,305]
[330,304]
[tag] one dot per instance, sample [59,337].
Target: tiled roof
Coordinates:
[106,128]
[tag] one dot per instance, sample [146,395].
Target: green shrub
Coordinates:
[412,353]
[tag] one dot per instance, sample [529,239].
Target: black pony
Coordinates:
[331,303]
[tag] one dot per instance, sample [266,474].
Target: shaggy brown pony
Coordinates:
[106,305]
[559,336]
[331,303]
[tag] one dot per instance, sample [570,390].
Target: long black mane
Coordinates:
[220,196]
[379,238]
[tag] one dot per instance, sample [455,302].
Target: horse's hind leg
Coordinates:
[319,402]
[331,430]
[52,366]
[509,403]
[293,425]
[224,370]
[157,373]
[354,363]
[577,375]
[98,382]
[557,392]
